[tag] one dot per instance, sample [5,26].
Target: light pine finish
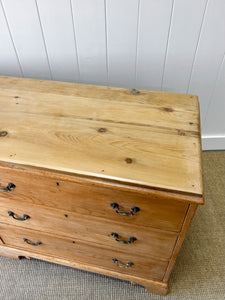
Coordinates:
[151,285]
[92,198]
[180,240]
[97,255]
[161,141]
[150,242]
[8,252]
[68,151]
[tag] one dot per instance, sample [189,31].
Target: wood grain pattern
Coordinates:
[150,242]
[181,238]
[71,150]
[8,253]
[151,285]
[73,129]
[81,252]
[87,199]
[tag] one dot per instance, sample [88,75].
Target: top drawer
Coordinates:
[87,198]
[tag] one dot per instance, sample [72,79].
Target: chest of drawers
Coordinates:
[98,178]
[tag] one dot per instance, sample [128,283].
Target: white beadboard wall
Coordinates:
[164,45]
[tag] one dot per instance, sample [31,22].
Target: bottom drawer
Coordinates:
[84,253]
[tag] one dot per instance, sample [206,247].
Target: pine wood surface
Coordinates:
[80,252]
[150,242]
[87,199]
[153,286]
[150,138]
[190,214]
[72,149]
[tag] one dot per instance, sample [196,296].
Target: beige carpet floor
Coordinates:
[198,274]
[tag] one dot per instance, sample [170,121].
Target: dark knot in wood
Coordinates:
[129,160]
[102,130]
[3,133]
[135,92]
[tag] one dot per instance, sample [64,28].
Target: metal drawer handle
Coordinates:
[132,239]
[133,210]
[9,187]
[12,214]
[121,265]
[30,243]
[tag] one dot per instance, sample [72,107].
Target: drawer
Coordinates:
[77,251]
[149,241]
[64,192]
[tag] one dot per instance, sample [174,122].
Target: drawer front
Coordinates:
[124,237]
[77,251]
[54,190]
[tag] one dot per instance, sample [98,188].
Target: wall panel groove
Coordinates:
[42,33]
[106,44]
[75,42]
[152,41]
[8,50]
[214,122]
[169,45]
[197,45]
[137,43]
[209,54]
[89,20]
[184,33]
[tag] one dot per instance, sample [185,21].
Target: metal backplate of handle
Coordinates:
[8,188]
[132,239]
[133,210]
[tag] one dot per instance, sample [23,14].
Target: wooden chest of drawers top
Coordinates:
[142,139]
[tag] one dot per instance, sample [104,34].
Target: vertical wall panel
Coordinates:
[174,45]
[9,64]
[57,23]
[184,32]
[122,23]
[89,20]
[152,42]
[215,118]
[209,54]
[26,32]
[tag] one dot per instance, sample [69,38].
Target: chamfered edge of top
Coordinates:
[109,182]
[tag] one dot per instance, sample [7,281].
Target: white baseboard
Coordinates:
[213,142]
